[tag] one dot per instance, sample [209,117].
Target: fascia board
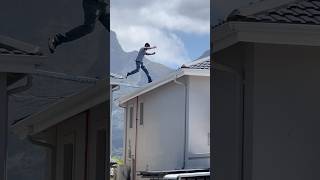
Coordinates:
[271,33]
[19,64]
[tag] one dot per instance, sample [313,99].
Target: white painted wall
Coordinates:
[198,122]
[286,112]
[160,144]
[281,114]
[161,138]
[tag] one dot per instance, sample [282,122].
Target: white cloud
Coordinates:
[158,22]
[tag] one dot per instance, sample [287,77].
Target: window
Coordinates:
[68,162]
[130,117]
[129,150]
[141,113]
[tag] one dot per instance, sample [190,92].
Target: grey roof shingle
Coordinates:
[298,12]
[9,46]
[5,50]
[198,64]
[201,65]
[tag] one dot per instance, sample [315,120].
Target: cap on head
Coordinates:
[146,45]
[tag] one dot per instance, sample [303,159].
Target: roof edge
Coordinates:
[271,33]
[177,74]
[41,120]
[22,46]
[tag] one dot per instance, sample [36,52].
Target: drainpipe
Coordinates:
[49,146]
[185,120]
[136,141]
[22,88]
[87,113]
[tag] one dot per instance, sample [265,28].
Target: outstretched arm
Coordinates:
[151,53]
[153,47]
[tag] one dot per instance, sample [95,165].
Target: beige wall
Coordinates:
[198,127]
[286,114]
[226,135]
[272,134]
[75,130]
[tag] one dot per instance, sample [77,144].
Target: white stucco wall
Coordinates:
[198,122]
[286,114]
[277,139]
[161,138]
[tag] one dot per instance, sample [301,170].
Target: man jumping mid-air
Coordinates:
[94,10]
[139,61]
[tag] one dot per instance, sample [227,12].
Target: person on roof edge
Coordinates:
[139,61]
[94,10]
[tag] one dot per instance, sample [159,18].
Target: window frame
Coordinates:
[141,113]
[131,116]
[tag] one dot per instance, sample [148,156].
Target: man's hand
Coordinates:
[151,53]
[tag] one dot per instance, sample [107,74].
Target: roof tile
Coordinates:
[299,12]
[199,64]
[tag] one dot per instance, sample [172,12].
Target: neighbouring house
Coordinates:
[17,61]
[167,123]
[75,133]
[265,98]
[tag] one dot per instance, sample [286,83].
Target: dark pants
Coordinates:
[138,65]
[93,12]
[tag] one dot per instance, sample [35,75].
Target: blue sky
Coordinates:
[195,44]
[179,28]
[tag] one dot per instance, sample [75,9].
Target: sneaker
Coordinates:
[126,76]
[52,44]
[149,81]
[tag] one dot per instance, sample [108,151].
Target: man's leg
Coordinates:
[135,70]
[147,73]
[105,19]
[91,12]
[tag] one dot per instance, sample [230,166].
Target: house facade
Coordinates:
[17,60]
[75,133]
[265,94]
[167,122]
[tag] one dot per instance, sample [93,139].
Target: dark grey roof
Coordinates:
[9,46]
[203,63]
[298,12]
[44,92]
[11,51]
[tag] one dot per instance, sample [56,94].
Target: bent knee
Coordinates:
[89,27]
